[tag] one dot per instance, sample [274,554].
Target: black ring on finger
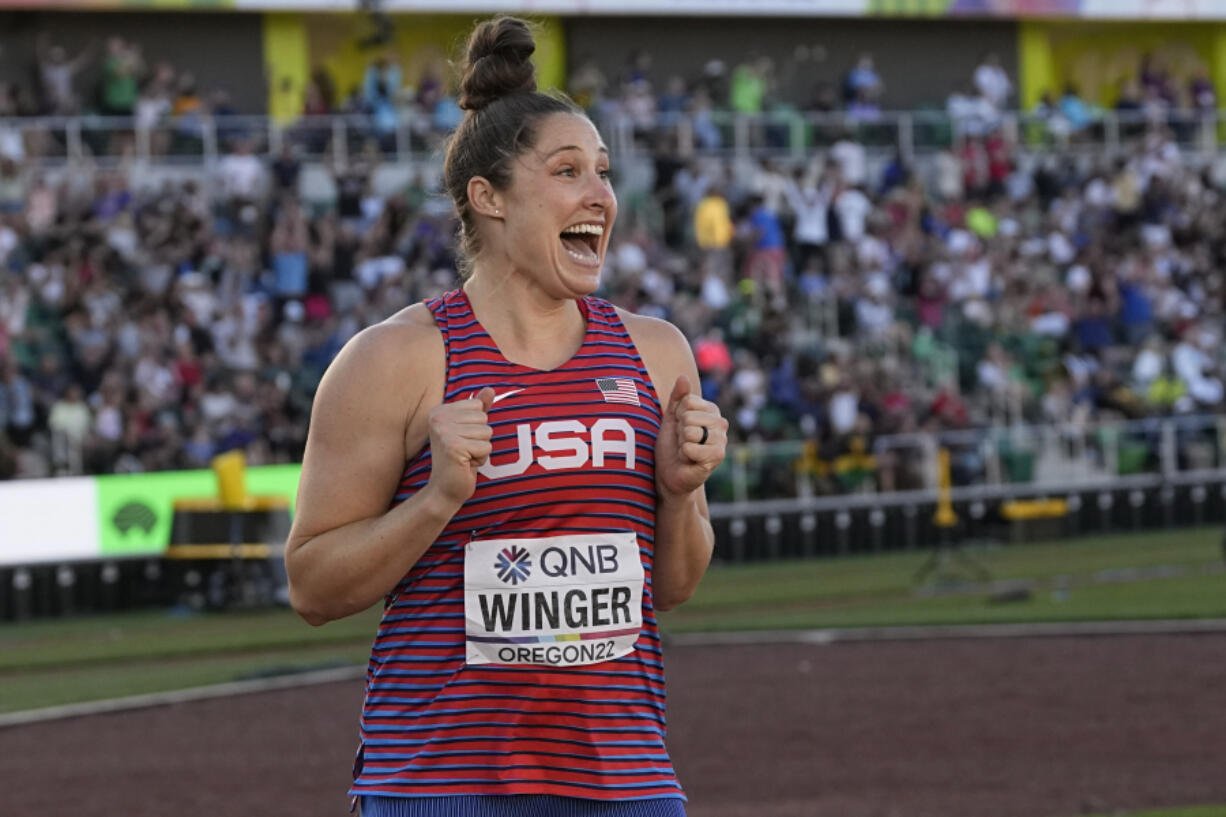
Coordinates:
[703,439]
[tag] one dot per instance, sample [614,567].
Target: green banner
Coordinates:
[136,511]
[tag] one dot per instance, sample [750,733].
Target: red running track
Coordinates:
[1022,727]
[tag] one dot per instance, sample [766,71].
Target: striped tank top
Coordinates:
[520,655]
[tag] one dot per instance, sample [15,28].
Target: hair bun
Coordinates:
[497,63]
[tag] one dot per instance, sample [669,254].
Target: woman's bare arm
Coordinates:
[346,550]
[685,539]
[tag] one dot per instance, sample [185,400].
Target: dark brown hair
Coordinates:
[498,91]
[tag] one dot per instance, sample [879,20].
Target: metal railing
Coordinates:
[1017,459]
[790,135]
[796,134]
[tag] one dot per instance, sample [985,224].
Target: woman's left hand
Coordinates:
[693,436]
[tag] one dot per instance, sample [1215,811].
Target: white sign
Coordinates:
[48,520]
[557,601]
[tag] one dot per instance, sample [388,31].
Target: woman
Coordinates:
[543,456]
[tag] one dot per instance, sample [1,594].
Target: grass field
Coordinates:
[1144,576]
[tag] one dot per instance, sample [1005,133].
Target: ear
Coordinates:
[484,199]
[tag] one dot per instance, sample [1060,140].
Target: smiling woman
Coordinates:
[457,448]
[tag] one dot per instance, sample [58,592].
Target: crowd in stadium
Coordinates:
[836,299]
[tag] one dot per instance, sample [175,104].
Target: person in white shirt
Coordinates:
[852,207]
[241,173]
[972,112]
[1195,367]
[70,421]
[874,313]
[771,184]
[852,159]
[810,203]
[992,81]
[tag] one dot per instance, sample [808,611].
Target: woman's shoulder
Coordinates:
[399,350]
[658,341]
[412,326]
[652,329]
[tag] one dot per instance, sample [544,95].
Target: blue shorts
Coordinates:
[518,805]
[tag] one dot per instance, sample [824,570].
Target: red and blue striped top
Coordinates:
[434,722]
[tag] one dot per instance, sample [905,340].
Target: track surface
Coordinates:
[995,728]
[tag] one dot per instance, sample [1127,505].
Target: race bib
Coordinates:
[560,601]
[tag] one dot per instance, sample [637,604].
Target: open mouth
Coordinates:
[582,242]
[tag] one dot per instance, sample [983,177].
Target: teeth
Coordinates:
[589,229]
[578,257]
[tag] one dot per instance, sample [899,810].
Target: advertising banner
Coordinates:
[119,5]
[135,512]
[48,520]
[63,520]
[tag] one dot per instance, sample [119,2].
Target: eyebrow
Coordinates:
[556,151]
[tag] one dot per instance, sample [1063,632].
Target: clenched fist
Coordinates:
[459,444]
[692,439]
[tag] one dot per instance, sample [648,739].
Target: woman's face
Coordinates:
[557,214]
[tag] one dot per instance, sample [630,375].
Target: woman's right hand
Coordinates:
[459,444]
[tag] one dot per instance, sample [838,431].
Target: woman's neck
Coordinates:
[530,327]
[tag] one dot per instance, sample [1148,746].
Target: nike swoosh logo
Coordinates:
[498,397]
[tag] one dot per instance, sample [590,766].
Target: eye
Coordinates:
[566,171]
[606,174]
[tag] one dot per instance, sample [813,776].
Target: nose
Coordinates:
[599,195]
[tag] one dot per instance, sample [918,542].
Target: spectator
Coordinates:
[155,103]
[17,409]
[241,174]
[1093,328]
[992,82]
[286,169]
[673,102]
[69,422]
[750,84]
[1201,94]
[121,70]
[1075,110]
[713,231]
[1193,361]
[706,133]
[766,261]
[864,108]
[809,199]
[12,140]
[1048,112]
[380,94]
[289,244]
[712,355]
[851,208]
[972,113]
[587,85]
[319,97]
[1129,101]
[1155,79]
[58,72]
[195,317]
[13,187]
[863,83]
[852,159]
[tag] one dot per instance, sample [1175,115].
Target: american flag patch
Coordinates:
[618,390]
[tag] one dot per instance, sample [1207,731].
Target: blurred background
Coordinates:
[952,269]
